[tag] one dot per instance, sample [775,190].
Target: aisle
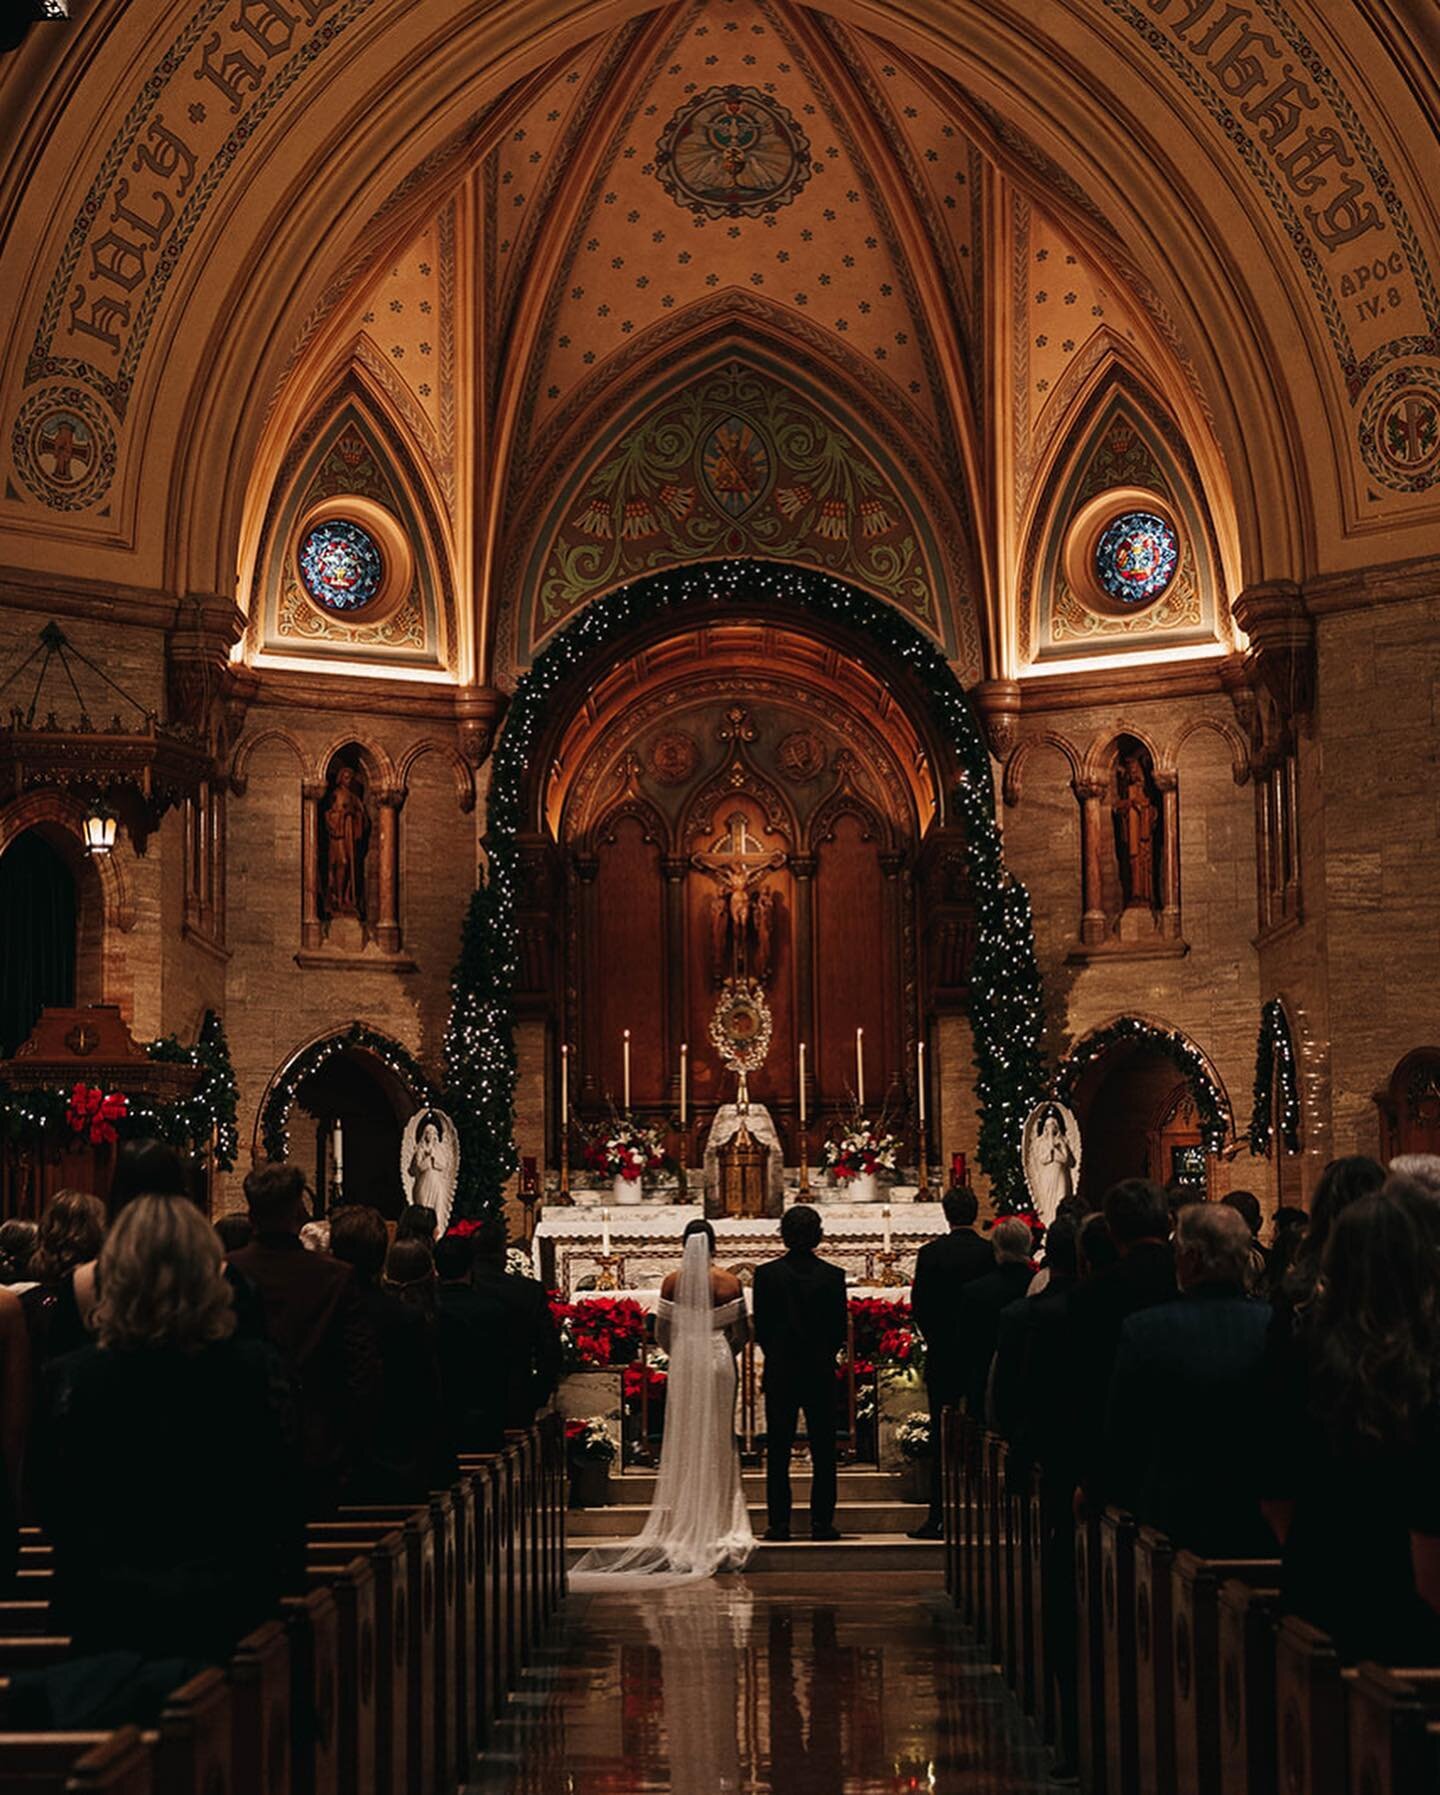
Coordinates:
[784,1683]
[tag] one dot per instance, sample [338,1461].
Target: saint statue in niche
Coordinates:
[346,823]
[1135,819]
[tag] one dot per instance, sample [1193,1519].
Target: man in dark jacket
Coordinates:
[499,1348]
[1183,1428]
[313,1317]
[1023,1388]
[800,1325]
[982,1303]
[943,1268]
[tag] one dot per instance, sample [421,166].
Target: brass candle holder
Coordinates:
[684,1128]
[564,1196]
[805,1193]
[889,1276]
[611,1272]
[924,1192]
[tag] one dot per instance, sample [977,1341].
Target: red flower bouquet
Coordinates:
[93,1113]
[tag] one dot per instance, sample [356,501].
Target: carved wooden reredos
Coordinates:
[734,796]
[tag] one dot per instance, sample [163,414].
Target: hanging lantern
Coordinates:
[100,827]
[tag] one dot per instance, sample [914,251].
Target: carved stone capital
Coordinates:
[313,790]
[392,798]
[478,710]
[1165,782]
[998,702]
[197,667]
[1087,789]
[1282,644]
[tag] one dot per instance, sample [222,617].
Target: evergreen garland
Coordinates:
[1275,1051]
[1007,1006]
[275,1117]
[1209,1100]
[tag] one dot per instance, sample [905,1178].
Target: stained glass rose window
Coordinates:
[342,566]
[1136,557]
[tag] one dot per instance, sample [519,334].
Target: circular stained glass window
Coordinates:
[1136,557]
[341,564]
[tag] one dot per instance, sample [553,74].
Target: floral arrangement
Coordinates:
[597,1334]
[647,1380]
[589,1441]
[625,1150]
[913,1436]
[92,1114]
[861,1151]
[884,1335]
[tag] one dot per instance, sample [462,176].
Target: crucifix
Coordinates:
[742,911]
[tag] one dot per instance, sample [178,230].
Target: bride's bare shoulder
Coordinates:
[724,1286]
[667,1288]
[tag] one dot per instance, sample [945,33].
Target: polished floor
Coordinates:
[806,1685]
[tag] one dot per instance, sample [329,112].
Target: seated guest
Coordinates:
[499,1349]
[417,1222]
[1247,1206]
[1353,1491]
[71,1230]
[981,1302]
[235,1231]
[410,1274]
[1185,1401]
[165,1465]
[312,1315]
[143,1168]
[17,1248]
[402,1455]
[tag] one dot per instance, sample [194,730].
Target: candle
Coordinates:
[337,1151]
[860,1069]
[920,1078]
[605,1232]
[684,1079]
[627,1071]
[885,1219]
[802,1084]
[564,1085]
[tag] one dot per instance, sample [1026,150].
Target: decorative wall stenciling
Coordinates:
[1400,428]
[736,465]
[732,151]
[64,448]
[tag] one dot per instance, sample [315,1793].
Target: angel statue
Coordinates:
[430,1163]
[1050,1153]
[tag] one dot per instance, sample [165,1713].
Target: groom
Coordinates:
[800,1326]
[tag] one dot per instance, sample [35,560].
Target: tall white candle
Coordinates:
[920,1076]
[337,1150]
[564,1085]
[885,1219]
[860,1068]
[627,1071]
[605,1232]
[684,1081]
[802,1084]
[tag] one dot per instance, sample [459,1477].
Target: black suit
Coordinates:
[943,1268]
[800,1322]
[499,1355]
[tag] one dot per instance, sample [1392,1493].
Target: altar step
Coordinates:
[861,1518]
[807,1557]
[864,1485]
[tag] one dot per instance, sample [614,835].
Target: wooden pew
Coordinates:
[490,1618]
[393,1646]
[1393,1720]
[995,1547]
[1038,1674]
[1006,1581]
[1119,1675]
[1248,1617]
[1195,1630]
[1309,1710]
[1154,1672]
[1022,1600]
[312,1626]
[260,1711]
[360,1651]
[192,1748]
[119,1763]
[1089,1654]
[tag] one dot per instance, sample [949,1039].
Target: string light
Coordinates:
[1275,1057]
[1209,1099]
[1007,1002]
[275,1117]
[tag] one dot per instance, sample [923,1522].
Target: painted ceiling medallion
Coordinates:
[735,465]
[342,566]
[732,151]
[1136,557]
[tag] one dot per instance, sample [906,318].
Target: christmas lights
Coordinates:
[1275,1058]
[1007,1006]
[1209,1099]
[275,1117]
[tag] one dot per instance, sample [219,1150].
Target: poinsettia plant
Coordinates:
[92,1114]
[884,1333]
[589,1441]
[861,1149]
[599,1332]
[913,1435]
[625,1149]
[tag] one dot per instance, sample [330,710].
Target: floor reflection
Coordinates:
[772,1684]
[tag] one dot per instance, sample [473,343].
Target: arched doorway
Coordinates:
[1409,1105]
[39,909]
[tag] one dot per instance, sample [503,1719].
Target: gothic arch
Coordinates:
[246,749]
[1233,739]
[459,766]
[1013,779]
[65,816]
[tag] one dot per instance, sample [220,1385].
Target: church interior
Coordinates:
[619,614]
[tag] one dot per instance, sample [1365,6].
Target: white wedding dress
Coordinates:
[698,1522]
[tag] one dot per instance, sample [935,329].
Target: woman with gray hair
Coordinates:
[165,1462]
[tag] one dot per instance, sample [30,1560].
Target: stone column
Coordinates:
[1168,785]
[1091,793]
[387,923]
[311,792]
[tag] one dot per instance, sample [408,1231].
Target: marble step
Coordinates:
[864,1519]
[807,1557]
[853,1486]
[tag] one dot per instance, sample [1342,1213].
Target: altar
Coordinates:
[644,1242]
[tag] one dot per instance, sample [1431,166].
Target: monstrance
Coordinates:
[740,1031]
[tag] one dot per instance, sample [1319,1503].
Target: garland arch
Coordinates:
[1275,1055]
[280,1099]
[1211,1102]
[1007,1001]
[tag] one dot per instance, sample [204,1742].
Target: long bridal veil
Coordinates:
[698,1522]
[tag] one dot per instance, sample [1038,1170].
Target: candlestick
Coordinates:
[860,1069]
[684,1080]
[605,1232]
[627,1071]
[802,1084]
[805,1196]
[885,1225]
[611,1272]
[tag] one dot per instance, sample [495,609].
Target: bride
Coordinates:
[698,1522]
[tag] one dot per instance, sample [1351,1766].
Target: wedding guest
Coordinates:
[1247,1206]
[143,1168]
[943,1268]
[402,1454]
[313,1317]
[1343,1182]
[1023,1391]
[800,1325]
[72,1227]
[235,1231]
[417,1222]
[165,1463]
[15,1385]
[1288,1232]
[17,1249]
[528,1364]
[981,1302]
[409,1274]
[315,1236]
[1184,1415]
[1353,1489]
[1420,1168]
